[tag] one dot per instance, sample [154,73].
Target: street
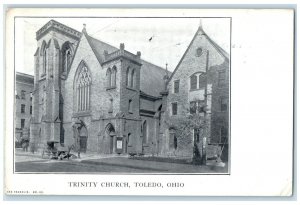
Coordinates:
[25,162]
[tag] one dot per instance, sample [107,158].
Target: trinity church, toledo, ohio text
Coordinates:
[123,184]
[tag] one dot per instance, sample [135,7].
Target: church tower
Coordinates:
[56,44]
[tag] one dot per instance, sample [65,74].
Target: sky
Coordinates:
[170,36]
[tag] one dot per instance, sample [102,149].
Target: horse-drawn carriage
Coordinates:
[54,150]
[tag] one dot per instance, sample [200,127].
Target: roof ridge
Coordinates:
[118,49]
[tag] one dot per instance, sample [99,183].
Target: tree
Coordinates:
[184,125]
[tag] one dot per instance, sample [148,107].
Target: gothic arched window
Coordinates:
[144,132]
[83,89]
[66,56]
[113,76]
[132,83]
[108,78]
[44,56]
[128,77]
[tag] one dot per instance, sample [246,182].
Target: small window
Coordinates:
[223,103]
[23,92]
[176,86]
[199,52]
[30,109]
[193,82]
[221,78]
[30,96]
[22,108]
[22,123]
[130,106]
[174,108]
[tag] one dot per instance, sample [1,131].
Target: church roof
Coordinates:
[151,79]
[220,50]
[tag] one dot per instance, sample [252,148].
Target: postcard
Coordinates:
[149,102]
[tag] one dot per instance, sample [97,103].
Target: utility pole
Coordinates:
[204,140]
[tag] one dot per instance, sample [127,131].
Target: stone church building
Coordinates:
[115,101]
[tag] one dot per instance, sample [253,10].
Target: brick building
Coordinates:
[23,105]
[198,89]
[113,101]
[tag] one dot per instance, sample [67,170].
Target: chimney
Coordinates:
[122,46]
[84,28]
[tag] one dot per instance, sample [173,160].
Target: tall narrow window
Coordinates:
[132,83]
[176,86]
[30,109]
[193,82]
[221,78]
[130,106]
[172,139]
[43,54]
[111,103]
[45,63]
[108,78]
[128,77]
[83,89]
[66,56]
[113,76]
[145,132]
[22,108]
[22,123]
[174,108]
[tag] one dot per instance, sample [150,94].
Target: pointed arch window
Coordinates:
[128,77]
[144,132]
[44,57]
[108,77]
[132,83]
[66,56]
[113,76]
[83,89]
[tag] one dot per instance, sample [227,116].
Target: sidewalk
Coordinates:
[154,166]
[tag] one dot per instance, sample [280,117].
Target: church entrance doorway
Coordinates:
[83,139]
[111,135]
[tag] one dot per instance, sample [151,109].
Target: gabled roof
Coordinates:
[220,50]
[151,79]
